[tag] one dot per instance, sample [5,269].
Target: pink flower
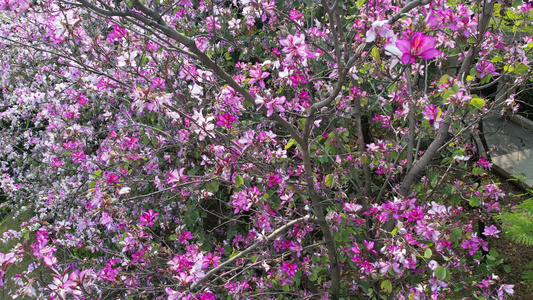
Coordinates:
[78,157]
[420,45]
[381,28]
[277,104]
[433,115]
[274,180]
[117,34]
[226,120]
[484,68]
[294,45]
[289,268]
[210,258]
[176,176]
[258,75]
[148,218]
[491,231]
[508,288]
[109,273]
[56,162]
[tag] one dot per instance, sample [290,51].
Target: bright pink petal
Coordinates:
[423,42]
[404,45]
[406,58]
[429,54]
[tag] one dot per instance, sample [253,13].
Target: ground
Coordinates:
[517,256]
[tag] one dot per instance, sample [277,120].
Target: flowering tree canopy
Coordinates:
[254,149]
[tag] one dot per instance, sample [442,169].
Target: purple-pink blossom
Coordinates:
[295,46]
[485,68]
[433,115]
[420,45]
[226,120]
[147,218]
[491,231]
[289,269]
[274,179]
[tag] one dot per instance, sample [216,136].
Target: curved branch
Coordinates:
[407,8]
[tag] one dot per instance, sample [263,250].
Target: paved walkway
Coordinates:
[511,146]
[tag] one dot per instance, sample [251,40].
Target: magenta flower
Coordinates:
[289,269]
[433,115]
[148,218]
[484,163]
[274,179]
[56,162]
[117,34]
[420,45]
[226,120]
[109,273]
[78,157]
[295,46]
[484,68]
[184,237]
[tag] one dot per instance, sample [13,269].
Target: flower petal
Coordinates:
[404,45]
[407,58]
[429,54]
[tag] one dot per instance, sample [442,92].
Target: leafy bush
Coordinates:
[253,149]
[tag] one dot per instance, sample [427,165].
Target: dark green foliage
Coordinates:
[519,228]
[519,223]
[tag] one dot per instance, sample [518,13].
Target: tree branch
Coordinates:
[407,8]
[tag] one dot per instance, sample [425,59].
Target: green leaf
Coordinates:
[329,180]
[477,103]
[475,201]
[497,59]
[366,159]
[494,253]
[455,88]
[428,253]
[444,78]
[213,186]
[313,277]
[386,286]
[520,68]
[290,143]
[227,56]
[440,273]
[478,171]
[301,123]
[375,53]
[97,173]
[360,3]
[507,268]
[508,68]
[254,258]
[238,180]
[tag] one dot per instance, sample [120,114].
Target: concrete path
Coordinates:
[511,146]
